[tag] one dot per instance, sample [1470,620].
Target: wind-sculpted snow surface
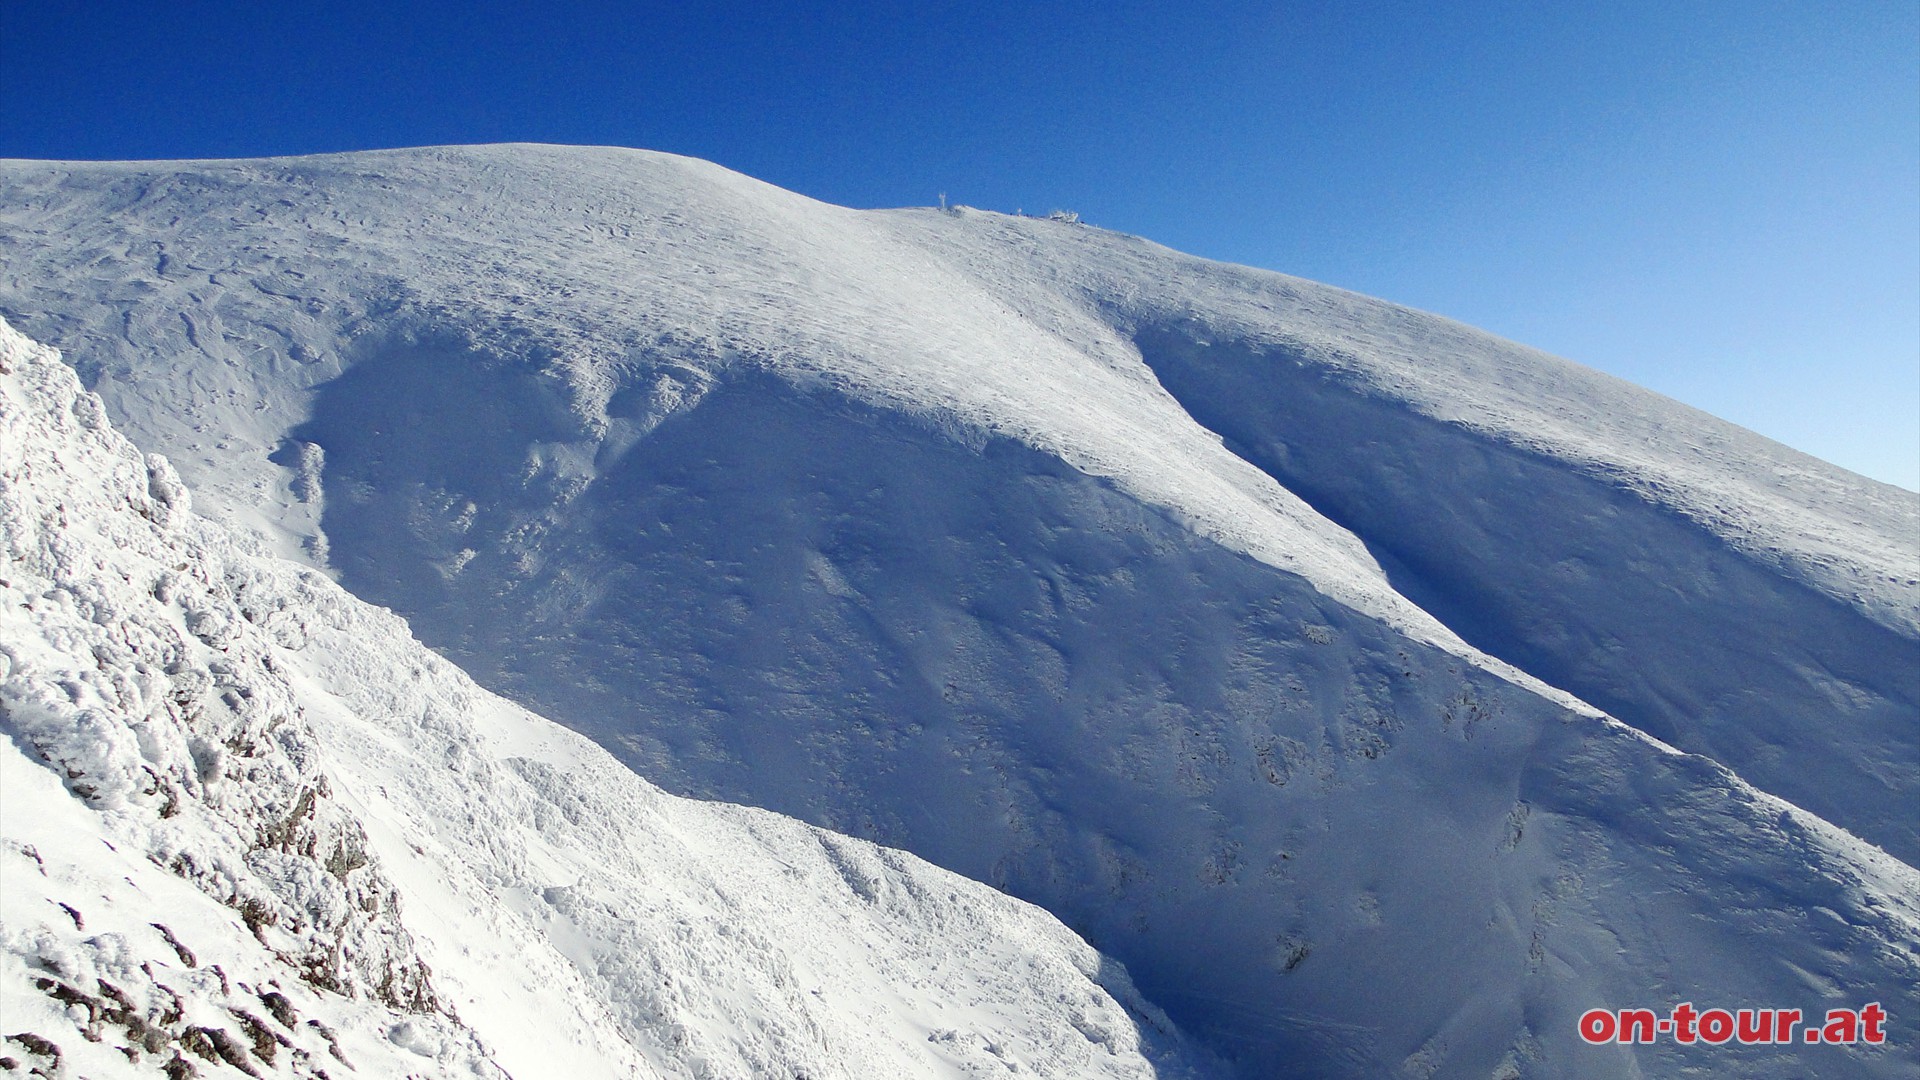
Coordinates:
[251,825]
[1260,631]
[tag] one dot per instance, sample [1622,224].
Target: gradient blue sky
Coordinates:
[1720,201]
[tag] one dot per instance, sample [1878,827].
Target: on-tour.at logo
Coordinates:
[1686,1025]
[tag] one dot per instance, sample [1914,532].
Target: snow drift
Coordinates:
[1382,693]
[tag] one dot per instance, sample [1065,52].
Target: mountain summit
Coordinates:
[1382,694]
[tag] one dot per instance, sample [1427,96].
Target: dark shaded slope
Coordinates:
[1584,583]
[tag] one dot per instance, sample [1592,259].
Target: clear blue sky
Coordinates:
[1717,200]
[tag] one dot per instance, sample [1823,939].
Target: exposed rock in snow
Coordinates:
[1323,660]
[250,824]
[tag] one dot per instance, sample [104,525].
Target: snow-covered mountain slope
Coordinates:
[1254,628]
[250,824]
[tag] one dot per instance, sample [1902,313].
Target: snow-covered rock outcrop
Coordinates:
[1324,661]
[249,824]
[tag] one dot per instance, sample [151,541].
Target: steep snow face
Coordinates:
[249,820]
[1249,791]
[1242,622]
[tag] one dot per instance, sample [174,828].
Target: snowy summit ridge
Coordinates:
[1267,634]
